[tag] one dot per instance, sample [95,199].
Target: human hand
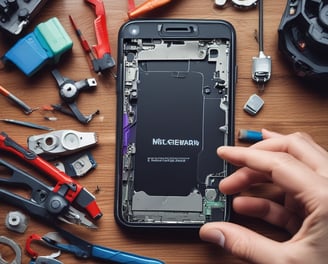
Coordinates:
[299,168]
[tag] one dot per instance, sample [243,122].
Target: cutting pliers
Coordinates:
[68,189]
[85,250]
[45,204]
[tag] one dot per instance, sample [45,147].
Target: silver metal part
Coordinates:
[190,50]
[261,70]
[219,53]
[51,259]
[61,142]
[16,221]
[74,216]
[220,2]
[144,202]
[253,104]
[77,165]
[244,3]
[15,247]
[47,260]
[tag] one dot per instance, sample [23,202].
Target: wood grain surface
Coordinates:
[290,106]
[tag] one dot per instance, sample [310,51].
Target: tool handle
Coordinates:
[121,257]
[75,192]
[100,24]
[27,110]
[24,204]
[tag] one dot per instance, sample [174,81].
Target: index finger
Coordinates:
[286,171]
[300,145]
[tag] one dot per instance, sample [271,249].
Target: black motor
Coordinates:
[15,15]
[303,37]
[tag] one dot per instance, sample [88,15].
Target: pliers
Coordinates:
[65,186]
[100,54]
[44,204]
[85,250]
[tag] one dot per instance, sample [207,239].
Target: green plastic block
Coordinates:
[53,37]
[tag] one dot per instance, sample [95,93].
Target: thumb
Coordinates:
[241,241]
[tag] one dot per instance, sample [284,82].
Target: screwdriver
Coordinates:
[146,7]
[27,110]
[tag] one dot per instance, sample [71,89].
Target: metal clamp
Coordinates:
[61,142]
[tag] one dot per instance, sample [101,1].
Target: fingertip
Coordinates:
[269,134]
[239,241]
[212,234]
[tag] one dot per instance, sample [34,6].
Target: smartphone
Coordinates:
[175,107]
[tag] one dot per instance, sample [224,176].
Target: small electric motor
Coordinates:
[303,37]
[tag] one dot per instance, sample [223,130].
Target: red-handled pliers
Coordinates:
[102,60]
[65,185]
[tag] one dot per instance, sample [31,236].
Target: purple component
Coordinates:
[126,133]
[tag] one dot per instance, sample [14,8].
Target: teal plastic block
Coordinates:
[53,38]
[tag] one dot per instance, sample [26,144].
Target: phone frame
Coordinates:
[184,30]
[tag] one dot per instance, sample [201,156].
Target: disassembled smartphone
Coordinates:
[175,85]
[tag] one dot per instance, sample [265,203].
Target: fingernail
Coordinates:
[215,236]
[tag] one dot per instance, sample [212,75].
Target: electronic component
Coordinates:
[303,38]
[15,15]
[261,67]
[77,165]
[175,97]
[253,104]
[46,44]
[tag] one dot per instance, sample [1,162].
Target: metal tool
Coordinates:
[45,260]
[61,142]
[102,59]
[15,247]
[70,189]
[26,124]
[261,68]
[85,250]
[44,203]
[27,110]
[69,90]
[36,259]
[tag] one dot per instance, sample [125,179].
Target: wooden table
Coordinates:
[289,106]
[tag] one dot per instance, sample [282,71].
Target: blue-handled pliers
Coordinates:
[85,250]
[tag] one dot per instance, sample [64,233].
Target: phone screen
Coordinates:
[175,87]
